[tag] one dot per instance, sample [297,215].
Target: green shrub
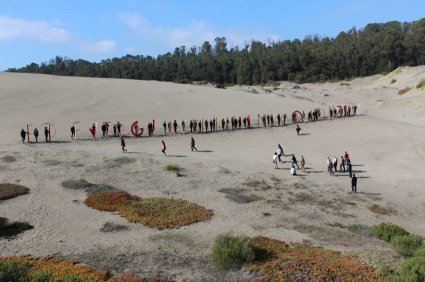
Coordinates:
[43,276]
[384,269]
[14,271]
[406,245]
[9,191]
[386,231]
[232,251]
[393,80]
[412,269]
[420,252]
[173,168]
[421,84]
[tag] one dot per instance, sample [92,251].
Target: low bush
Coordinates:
[412,269]
[9,191]
[421,84]
[393,80]
[160,213]
[386,231]
[82,184]
[403,91]
[10,229]
[231,251]
[406,245]
[15,270]
[173,168]
[420,252]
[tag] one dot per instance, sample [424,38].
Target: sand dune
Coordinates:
[386,145]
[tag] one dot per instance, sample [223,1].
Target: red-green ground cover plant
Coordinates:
[160,213]
[9,191]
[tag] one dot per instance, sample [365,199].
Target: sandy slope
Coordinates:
[386,144]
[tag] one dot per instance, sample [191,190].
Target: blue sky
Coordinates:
[36,31]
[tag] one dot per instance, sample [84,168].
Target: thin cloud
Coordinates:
[193,34]
[103,46]
[12,28]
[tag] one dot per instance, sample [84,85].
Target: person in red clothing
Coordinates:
[164,147]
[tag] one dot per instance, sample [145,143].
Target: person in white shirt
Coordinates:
[293,169]
[275,160]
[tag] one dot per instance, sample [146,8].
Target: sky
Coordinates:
[37,31]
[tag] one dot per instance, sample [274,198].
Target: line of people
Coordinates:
[36,134]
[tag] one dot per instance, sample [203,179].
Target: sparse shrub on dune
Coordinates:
[82,184]
[160,213]
[9,191]
[421,84]
[173,168]
[406,245]
[8,159]
[387,231]
[231,251]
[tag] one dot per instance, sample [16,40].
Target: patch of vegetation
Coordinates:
[8,159]
[403,91]
[278,261]
[9,191]
[407,245]
[173,168]
[88,187]
[393,80]
[238,195]
[412,269]
[421,84]
[344,84]
[119,162]
[360,229]
[52,162]
[231,251]
[17,269]
[112,227]
[387,231]
[159,213]
[381,210]
[258,184]
[326,95]
[11,229]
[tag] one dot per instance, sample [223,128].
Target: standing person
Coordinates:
[23,133]
[164,124]
[72,132]
[103,129]
[346,156]
[169,127]
[335,163]
[350,170]
[275,160]
[164,147]
[191,126]
[114,128]
[200,126]
[284,119]
[119,128]
[293,170]
[175,126]
[354,184]
[211,125]
[227,123]
[294,161]
[279,152]
[192,144]
[271,120]
[278,119]
[342,165]
[124,150]
[183,126]
[222,124]
[330,166]
[298,129]
[268,120]
[46,133]
[36,134]
[354,109]
[206,125]
[302,163]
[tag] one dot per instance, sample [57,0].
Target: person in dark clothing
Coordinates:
[164,147]
[183,126]
[46,133]
[354,184]
[200,126]
[298,128]
[192,144]
[175,126]
[239,122]
[278,119]
[342,165]
[222,123]
[271,120]
[211,125]
[294,161]
[36,134]
[206,125]
[124,150]
[284,119]
[268,120]
[119,128]
[103,129]
[149,129]
[73,132]
[244,122]
[350,170]
[191,126]
[164,124]
[23,133]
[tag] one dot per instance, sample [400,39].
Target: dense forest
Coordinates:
[376,48]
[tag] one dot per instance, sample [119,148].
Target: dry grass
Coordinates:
[119,162]
[239,196]
[403,91]
[8,159]
[381,210]
[82,184]
[9,191]
[159,213]
[279,261]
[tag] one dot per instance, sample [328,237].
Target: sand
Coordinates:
[385,142]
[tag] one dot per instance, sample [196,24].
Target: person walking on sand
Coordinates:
[342,165]
[354,184]
[350,170]
[192,144]
[302,163]
[164,147]
[23,133]
[275,160]
[298,128]
[335,163]
[294,161]
[330,166]
[124,150]
[36,134]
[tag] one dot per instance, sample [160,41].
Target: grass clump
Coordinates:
[278,261]
[82,184]
[393,80]
[119,162]
[239,196]
[406,245]
[173,168]
[387,231]
[159,213]
[11,229]
[112,227]
[258,184]
[421,84]
[231,251]
[29,269]
[8,159]
[381,210]
[9,191]
[403,91]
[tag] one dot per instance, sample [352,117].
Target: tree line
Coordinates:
[376,48]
